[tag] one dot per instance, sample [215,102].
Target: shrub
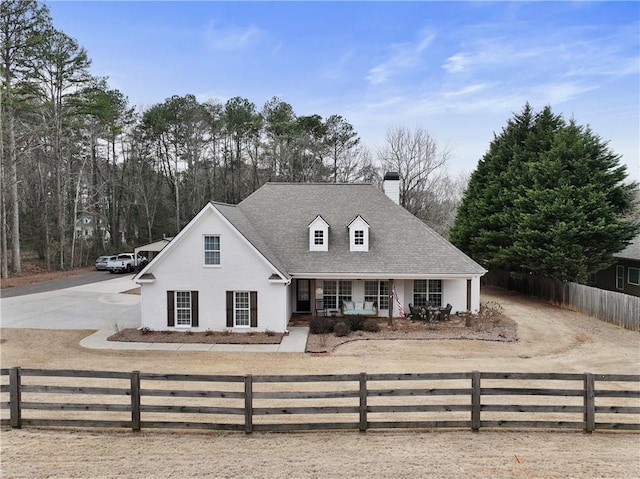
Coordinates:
[371,325]
[320,325]
[341,329]
[490,310]
[354,322]
[269,333]
[146,330]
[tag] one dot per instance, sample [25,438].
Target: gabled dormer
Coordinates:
[358,234]
[318,235]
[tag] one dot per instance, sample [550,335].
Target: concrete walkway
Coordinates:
[294,342]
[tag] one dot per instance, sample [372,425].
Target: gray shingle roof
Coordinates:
[275,220]
[632,251]
[237,218]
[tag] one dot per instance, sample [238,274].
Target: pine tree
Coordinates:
[548,198]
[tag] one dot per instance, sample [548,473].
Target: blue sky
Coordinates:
[459,70]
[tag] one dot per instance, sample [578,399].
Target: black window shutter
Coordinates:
[170,309]
[194,309]
[253,301]
[229,309]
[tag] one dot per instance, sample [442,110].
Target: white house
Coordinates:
[290,247]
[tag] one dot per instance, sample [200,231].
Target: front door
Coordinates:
[303,295]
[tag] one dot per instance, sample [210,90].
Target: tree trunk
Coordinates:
[4,256]
[16,266]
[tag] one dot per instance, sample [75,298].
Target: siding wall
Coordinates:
[606,279]
[241,269]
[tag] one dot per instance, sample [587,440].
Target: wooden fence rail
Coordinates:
[472,400]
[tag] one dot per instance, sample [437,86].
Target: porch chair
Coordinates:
[445,313]
[415,313]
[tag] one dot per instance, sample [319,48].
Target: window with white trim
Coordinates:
[211,250]
[318,234]
[358,234]
[620,277]
[427,291]
[183,308]
[633,276]
[241,309]
[335,292]
[377,292]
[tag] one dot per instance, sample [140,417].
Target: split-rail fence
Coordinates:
[472,400]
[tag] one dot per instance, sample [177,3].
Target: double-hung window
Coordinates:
[620,277]
[182,309]
[358,238]
[241,308]
[318,237]
[377,292]
[211,250]
[427,291]
[633,276]
[335,292]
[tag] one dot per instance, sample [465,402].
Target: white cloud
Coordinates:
[403,57]
[467,90]
[232,38]
[457,63]
[556,93]
[338,69]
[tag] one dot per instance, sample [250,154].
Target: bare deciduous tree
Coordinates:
[417,158]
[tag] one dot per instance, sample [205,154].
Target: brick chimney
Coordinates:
[391,186]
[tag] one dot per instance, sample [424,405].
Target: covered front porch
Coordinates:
[391,297]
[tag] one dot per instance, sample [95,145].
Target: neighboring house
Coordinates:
[290,247]
[622,276]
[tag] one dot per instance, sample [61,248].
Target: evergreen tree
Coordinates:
[548,198]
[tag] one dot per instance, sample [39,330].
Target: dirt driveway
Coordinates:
[551,340]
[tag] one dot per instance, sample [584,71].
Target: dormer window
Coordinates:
[318,235]
[358,234]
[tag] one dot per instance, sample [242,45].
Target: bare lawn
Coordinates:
[549,340]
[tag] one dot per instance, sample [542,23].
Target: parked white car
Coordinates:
[126,263]
[103,261]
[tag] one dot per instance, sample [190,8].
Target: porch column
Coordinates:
[391,303]
[312,297]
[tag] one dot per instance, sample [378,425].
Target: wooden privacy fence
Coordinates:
[609,306]
[473,400]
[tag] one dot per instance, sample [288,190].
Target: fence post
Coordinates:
[363,402]
[135,401]
[248,404]
[475,401]
[15,418]
[589,403]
